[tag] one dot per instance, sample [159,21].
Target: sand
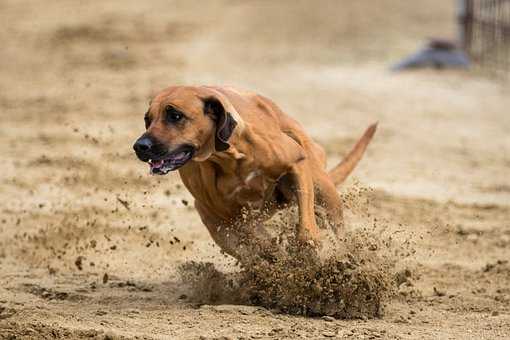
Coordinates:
[91,246]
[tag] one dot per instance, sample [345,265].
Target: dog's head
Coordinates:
[185,123]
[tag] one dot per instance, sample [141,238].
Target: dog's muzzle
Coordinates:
[160,159]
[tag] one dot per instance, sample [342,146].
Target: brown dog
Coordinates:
[237,150]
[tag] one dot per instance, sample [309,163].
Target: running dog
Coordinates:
[238,150]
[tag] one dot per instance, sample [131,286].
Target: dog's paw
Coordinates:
[307,239]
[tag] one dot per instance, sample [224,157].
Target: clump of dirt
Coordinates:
[355,284]
[350,280]
[208,285]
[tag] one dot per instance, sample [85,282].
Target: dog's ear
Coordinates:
[225,123]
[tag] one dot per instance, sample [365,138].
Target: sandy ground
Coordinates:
[89,243]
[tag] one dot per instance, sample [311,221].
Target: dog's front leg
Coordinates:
[328,197]
[307,229]
[231,235]
[220,230]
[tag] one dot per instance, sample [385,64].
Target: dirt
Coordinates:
[91,246]
[347,281]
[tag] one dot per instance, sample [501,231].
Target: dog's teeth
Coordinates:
[180,155]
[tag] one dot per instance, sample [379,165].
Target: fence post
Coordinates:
[465,19]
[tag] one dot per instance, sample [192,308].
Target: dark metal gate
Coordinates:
[485,32]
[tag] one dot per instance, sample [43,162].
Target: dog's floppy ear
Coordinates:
[225,123]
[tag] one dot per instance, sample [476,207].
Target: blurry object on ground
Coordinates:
[438,53]
[484,27]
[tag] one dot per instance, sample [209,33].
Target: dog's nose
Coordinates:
[143,145]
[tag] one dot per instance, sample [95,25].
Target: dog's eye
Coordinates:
[172,115]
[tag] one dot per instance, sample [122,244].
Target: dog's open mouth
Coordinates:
[171,161]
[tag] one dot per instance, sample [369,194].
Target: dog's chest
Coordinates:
[248,188]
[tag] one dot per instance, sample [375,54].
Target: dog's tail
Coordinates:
[340,172]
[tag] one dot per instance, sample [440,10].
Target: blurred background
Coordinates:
[76,79]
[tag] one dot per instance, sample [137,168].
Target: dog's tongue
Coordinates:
[156,164]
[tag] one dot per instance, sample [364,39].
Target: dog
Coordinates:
[237,151]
